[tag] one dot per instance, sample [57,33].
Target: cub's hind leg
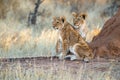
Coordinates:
[82,52]
[71,57]
[76,55]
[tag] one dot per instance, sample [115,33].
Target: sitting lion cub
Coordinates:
[79,21]
[70,40]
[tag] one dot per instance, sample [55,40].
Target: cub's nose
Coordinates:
[55,27]
[75,23]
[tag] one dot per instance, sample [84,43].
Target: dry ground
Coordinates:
[95,70]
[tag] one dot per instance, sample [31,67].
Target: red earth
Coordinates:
[107,43]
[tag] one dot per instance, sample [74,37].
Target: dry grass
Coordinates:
[23,43]
[17,72]
[19,40]
[92,33]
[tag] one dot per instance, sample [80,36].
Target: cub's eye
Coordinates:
[57,22]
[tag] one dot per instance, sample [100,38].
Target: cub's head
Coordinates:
[79,19]
[58,22]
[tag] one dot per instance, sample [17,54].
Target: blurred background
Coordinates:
[20,38]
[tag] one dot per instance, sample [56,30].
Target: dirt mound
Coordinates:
[107,43]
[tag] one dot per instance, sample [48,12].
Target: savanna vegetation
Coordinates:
[18,39]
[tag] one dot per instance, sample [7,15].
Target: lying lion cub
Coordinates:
[70,40]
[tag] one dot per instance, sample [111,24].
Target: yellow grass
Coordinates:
[14,44]
[17,72]
[92,33]
[19,40]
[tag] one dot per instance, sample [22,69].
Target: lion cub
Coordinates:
[79,22]
[70,40]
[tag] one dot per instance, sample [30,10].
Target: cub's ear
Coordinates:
[63,19]
[84,15]
[74,14]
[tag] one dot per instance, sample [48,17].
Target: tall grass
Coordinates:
[19,40]
[24,44]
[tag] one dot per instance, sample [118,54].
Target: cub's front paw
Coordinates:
[71,57]
[61,56]
[87,60]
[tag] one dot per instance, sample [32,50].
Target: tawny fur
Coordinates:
[80,25]
[79,22]
[70,40]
